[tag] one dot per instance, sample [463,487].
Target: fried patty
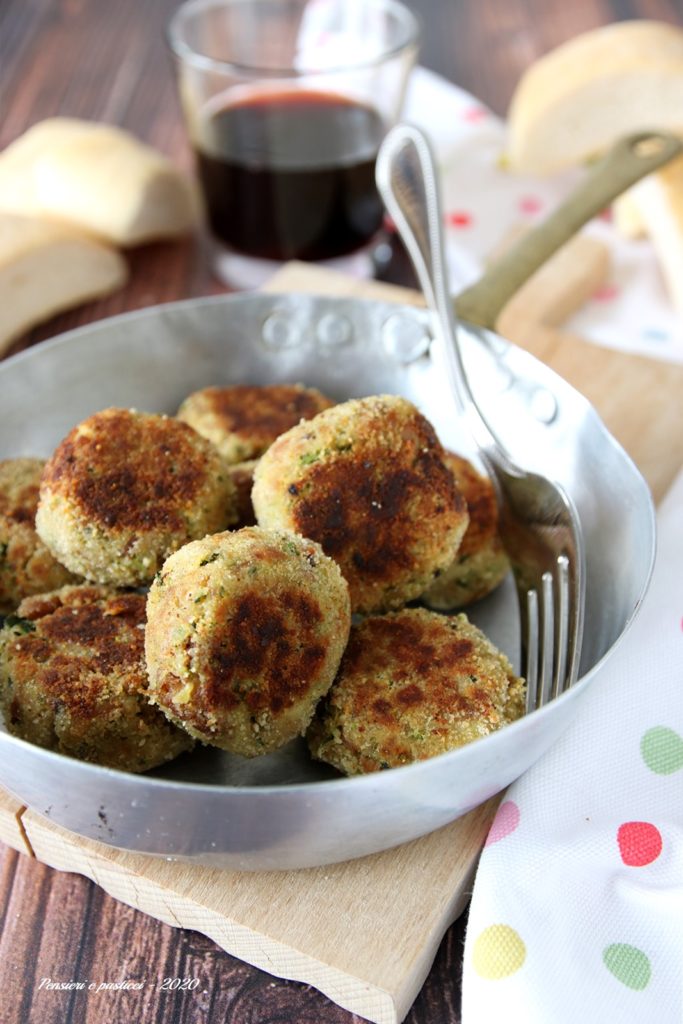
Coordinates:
[124,489]
[26,565]
[245,632]
[19,485]
[413,684]
[244,420]
[480,563]
[73,679]
[368,481]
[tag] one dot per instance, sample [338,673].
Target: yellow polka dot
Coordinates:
[498,952]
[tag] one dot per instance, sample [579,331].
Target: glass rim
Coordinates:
[185,52]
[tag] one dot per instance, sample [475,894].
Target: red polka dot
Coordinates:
[474,114]
[389,223]
[530,204]
[606,214]
[606,294]
[459,219]
[504,823]
[639,843]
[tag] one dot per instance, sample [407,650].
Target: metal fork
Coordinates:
[539,525]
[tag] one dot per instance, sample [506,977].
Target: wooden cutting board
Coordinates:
[365,932]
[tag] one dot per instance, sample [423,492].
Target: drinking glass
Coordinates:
[286,103]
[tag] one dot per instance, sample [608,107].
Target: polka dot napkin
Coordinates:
[577,911]
[484,202]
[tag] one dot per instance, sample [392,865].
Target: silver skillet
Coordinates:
[284,810]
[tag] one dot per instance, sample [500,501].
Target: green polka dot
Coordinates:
[662,750]
[498,952]
[628,965]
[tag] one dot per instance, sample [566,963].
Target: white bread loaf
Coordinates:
[627,216]
[658,202]
[573,103]
[97,177]
[47,267]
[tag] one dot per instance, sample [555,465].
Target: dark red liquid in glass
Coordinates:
[292,175]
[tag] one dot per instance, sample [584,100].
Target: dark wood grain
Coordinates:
[108,61]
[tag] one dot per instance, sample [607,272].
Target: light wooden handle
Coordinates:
[629,160]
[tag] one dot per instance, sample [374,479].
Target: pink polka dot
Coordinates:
[530,204]
[459,219]
[606,214]
[639,843]
[505,822]
[606,294]
[474,114]
[388,223]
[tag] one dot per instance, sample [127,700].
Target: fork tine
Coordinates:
[577,608]
[547,638]
[548,630]
[531,632]
[560,680]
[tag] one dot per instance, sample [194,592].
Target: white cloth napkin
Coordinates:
[577,912]
[483,202]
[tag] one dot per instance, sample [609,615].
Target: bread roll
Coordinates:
[97,177]
[658,203]
[46,267]
[627,216]
[577,100]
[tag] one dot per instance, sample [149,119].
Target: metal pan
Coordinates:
[284,810]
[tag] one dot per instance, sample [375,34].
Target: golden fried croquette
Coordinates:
[26,565]
[245,632]
[480,563]
[244,420]
[367,480]
[413,684]
[73,679]
[124,489]
[19,485]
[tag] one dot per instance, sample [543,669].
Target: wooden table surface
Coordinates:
[108,60]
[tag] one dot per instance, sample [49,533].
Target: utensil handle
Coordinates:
[629,160]
[406,179]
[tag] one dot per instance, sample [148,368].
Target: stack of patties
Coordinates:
[120,493]
[370,481]
[248,635]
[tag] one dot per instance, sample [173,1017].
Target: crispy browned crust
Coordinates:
[250,417]
[125,470]
[125,489]
[412,684]
[368,481]
[26,565]
[480,562]
[38,606]
[74,679]
[19,485]
[245,632]
[275,640]
[482,506]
